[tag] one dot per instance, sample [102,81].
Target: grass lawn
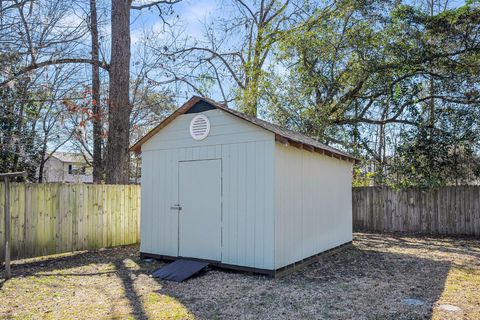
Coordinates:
[371,280]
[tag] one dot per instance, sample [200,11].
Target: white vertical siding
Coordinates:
[247,154]
[247,204]
[279,204]
[313,208]
[159,192]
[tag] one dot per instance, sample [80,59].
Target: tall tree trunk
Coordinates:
[97,112]
[380,172]
[20,130]
[117,159]
[356,134]
[381,144]
[431,112]
[42,162]
[253,75]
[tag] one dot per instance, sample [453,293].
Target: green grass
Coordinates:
[368,281]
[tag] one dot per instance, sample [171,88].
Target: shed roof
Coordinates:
[282,135]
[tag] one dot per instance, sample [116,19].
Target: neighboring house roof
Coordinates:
[69,157]
[281,134]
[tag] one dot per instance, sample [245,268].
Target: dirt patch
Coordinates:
[371,280]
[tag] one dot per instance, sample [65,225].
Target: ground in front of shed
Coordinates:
[380,277]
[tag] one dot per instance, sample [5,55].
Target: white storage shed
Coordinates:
[240,192]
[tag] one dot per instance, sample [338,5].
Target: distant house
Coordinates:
[67,167]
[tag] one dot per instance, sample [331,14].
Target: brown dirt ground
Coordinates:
[367,281]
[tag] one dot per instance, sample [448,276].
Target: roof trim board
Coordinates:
[282,135]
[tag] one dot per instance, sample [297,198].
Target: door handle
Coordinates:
[176,207]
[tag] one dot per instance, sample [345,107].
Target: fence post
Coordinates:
[8,273]
[6,178]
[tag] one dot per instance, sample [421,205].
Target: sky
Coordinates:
[191,14]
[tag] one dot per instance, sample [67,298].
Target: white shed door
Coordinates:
[200,219]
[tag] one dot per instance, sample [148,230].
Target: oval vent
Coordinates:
[199,127]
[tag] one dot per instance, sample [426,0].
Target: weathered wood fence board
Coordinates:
[452,210]
[55,218]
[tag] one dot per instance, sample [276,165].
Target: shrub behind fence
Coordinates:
[453,210]
[56,218]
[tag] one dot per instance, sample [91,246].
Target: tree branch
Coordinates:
[42,64]
[153,4]
[217,55]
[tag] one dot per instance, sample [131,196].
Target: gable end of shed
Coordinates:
[200,106]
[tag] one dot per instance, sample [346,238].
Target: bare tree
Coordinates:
[119,108]
[97,117]
[52,130]
[36,39]
[41,34]
[239,67]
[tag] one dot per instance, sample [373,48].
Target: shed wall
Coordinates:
[247,154]
[313,204]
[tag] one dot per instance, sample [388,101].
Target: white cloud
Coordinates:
[197,11]
[191,17]
[73,19]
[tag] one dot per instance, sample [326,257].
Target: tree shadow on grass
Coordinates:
[462,245]
[365,281]
[96,263]
[351,284]
[130,292]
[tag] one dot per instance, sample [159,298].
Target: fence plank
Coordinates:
[2,226]
[453,210]
[56,218]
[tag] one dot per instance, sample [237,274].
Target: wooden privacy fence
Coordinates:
[451,210]
[55,218]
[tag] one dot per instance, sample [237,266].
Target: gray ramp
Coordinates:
[179,270]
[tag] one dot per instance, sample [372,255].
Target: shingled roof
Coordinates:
[282,135]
